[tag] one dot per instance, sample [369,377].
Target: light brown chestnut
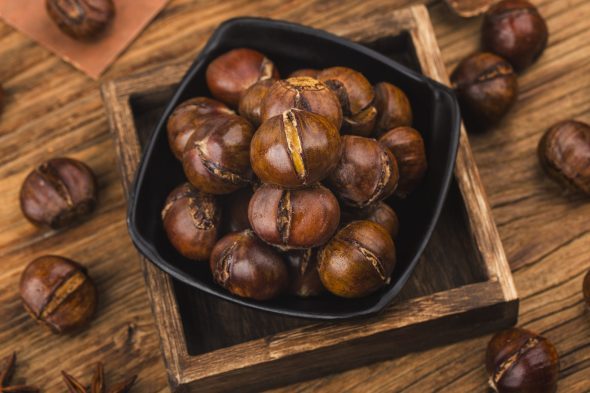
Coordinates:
[310,72]
[564,153]
[407,145]
[302,218]
[58,293]
[188,117]
[251,101]
[302,93]
[247,267]
[393,107]
[191,219]
[358,260]
[367,172]
[229,75]
[217,161]
[295,149]
[81,19]
[356,96]
[303,273]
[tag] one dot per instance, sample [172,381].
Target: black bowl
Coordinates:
[292,46]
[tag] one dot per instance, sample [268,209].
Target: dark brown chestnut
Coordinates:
[358,260]
[382,214]
[188,117]
[81,19]
[302,93]
[191,220]
[367,172]
[303,273]
[295,149]
[235,210]
[356,96]
[58,293]
[586,289]
[486,86]
[310,72]
[229,75]
[514,30]
[58,193]
[302,218]
[518,360]
[217,161]
[564,153]
[247,267]
[251,102]
[393,107]
[407,145]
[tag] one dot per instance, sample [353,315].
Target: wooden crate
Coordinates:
[462,287]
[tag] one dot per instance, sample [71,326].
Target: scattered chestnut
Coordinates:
[58,193]
[302,93]
[303,273]
[310,72]
[295,149]
[367,172]
[218,161]
[564,153]
[486,86]
[191,220]
[358,260]
[515,30]
[81,19]
[188,117]
[518,360]
[58,293]
[356,96]
[235,210]
[382,214]
[407,145]
[251,101]
[229,75]
[586,289]
[302,218]
[245,266]
[393,107]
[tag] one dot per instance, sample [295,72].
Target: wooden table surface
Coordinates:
[52,109]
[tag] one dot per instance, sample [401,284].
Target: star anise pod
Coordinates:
[97,386]
[6,373]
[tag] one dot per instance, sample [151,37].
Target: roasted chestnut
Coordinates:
[235,210]
[407,145]
[303,273]
[356,95]
[564,153]
[393,107]
[310,72]
[81,19]
[518,360]
[302,93]
[302,218]
[515,30]
[229,75]
[58,193]
[251,101]
[487,88]
[358,260]
[217,161]
[367,172]
[188,117]
[58,293]
[191,220]
[382,214]
[295,149]
[245,266]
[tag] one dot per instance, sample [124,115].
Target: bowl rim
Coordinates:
[153,256]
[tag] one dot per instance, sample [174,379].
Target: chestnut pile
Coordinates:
[286,195]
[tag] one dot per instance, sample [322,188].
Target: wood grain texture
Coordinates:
[53,110]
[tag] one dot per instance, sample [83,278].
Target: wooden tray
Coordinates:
[461,288]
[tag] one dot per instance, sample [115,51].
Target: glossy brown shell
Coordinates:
[247,267]
[81,19]
[358,261]
[303,273]
[382,214]
[393,107]
[192,221]
[302,218]
[251,101]
[311,72]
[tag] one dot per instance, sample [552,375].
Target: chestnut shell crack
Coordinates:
[290,128]
[50,175]
[71,10]
[203,212]
[384,178]
[301,102]
[305,261]
[370,256]
[266,69]
[217,170]
[511,360]
[223,271]
[284,213]
[497,71]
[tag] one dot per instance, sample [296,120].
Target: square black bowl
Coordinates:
[292,46]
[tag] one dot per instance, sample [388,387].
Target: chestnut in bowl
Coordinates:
[393,107]
[303,273]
